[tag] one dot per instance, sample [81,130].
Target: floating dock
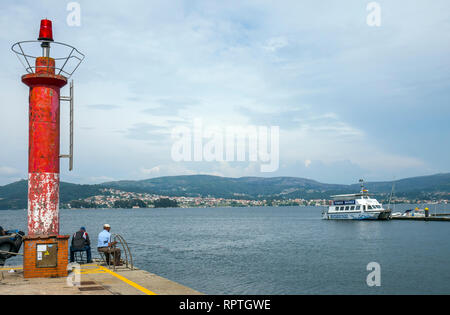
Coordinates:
[431,218]
[91,279]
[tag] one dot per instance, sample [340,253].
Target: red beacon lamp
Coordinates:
[45,251]
[45,32]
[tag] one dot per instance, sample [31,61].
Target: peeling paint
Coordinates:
[43,203]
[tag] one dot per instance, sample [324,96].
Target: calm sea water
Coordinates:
[286,250]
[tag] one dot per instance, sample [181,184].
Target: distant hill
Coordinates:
[14,195]
[226,187]
[432,183]
[288,187]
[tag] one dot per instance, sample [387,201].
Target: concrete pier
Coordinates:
[91,279]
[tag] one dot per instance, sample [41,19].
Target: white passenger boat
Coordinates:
[356,207]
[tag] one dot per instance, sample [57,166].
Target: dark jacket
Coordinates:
[80,239]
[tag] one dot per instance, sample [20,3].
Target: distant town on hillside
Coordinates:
[215,191]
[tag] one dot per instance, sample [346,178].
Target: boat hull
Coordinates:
[381,215]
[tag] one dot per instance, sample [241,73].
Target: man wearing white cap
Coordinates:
[106,246]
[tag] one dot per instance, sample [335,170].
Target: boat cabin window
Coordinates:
[364,207]
[347,207]
[342,208]
[358,207]
[370,207]
[352,208]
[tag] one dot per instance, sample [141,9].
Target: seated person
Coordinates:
[2,232]
[106,246]
[80,242]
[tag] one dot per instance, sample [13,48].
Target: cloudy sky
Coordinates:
[351,100]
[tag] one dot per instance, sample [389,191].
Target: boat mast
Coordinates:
[392,193]
[361,181]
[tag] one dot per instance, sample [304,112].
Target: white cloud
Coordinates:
[275,43]
[8,171]
[151,171]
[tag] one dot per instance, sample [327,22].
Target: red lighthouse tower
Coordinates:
[45,251]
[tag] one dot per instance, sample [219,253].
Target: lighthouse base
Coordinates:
[45,256]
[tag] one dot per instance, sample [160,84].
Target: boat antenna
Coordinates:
[392,193]
[361,181]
